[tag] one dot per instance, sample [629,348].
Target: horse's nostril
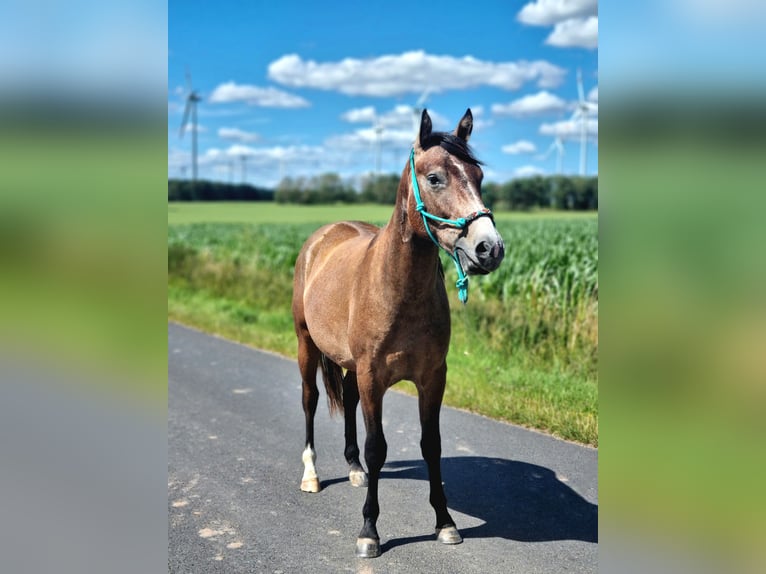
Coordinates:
[489,253]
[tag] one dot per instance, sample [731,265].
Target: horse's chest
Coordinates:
[411,348]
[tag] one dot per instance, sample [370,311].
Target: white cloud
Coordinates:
[532,105]
[521,146]
[575,22]
[528,171]
[366,137]
[238,134]
[570,129]
[401,117]
[411,73]
[593,95]
[550,12]
[365,115]
[256,96]
[575,33]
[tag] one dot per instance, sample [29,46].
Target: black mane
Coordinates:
[453,145]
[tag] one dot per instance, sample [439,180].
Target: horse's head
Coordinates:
[446,192]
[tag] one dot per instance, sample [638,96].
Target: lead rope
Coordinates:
[460,223]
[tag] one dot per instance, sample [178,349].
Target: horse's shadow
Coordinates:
[514,500]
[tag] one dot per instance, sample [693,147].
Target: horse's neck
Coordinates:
[409,258]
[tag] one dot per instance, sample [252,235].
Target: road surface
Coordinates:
[523,501]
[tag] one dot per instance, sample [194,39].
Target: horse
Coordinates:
[372,302]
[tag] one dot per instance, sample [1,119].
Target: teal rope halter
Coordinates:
[460,223]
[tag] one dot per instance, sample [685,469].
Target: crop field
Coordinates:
[269,212]
[524,349]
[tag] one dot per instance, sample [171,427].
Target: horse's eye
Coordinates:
[432,179]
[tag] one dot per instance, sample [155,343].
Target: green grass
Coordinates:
[523,350]
[82,256]
[269,212]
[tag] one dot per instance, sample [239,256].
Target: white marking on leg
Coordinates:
[309,482]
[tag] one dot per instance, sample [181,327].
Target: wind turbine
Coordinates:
[377,125]
[243,159]
[580,114]
[557,145]
[192,97]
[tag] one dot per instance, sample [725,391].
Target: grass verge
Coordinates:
[520,352]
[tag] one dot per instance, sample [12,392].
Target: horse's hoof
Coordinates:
[310,485]
[367,548]
[357,478]
[448,535]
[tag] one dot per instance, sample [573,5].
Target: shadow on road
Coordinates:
[515,500]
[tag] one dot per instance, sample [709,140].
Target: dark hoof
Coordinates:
[448,535]
[367,548]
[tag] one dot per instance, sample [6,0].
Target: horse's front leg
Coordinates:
[356,474]
[375,449]
[430,394]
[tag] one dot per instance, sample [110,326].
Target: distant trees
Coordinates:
[324,188]
[380,189]
[203,190]
[557,192]
[522,194]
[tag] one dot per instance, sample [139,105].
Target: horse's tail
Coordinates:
[332,375]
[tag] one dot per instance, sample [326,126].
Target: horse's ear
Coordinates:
[426,127]
[465,126]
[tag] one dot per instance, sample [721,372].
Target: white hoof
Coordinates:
[448,535]
[357,478]
[310,485]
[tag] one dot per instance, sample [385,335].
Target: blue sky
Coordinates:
[297,87]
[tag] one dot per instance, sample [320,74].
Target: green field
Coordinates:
[524,349]
[270,212]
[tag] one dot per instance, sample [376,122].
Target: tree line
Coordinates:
[557,191]
[204,190]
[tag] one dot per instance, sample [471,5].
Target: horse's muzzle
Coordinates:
[490,254]
[482,256]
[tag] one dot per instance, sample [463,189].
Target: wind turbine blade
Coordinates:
[189,81]
[550,149]
[186,118]
[423,97]
[580,91]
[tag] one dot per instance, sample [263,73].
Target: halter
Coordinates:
[460,223]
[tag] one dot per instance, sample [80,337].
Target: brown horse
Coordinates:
[372,301]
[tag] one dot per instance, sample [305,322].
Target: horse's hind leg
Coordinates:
[308,359]
[356,474]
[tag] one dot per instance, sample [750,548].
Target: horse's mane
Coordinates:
[452,144]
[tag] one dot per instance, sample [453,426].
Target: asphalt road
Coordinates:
[523,501]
